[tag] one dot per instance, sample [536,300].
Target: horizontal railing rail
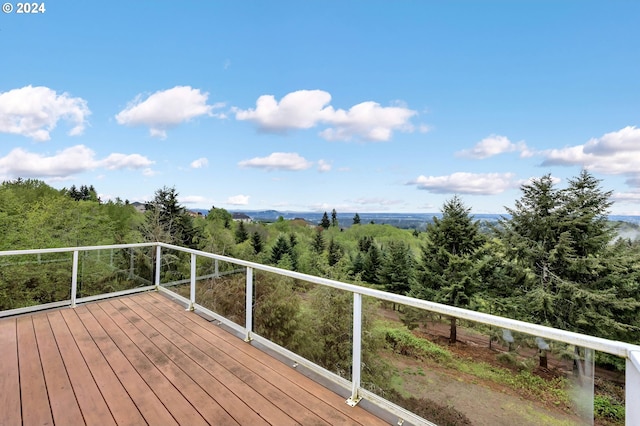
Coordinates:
[629,352]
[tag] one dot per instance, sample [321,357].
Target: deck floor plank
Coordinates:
[142,359]
[312,395]
[9,374]
[91,402]
[64,406]
[33,389]
[209,377]
[142,395]
[248,373]
[229,384]
[180,393]
[116,397]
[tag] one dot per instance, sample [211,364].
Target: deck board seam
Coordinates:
[88,370]
[126,385]
[343,409]
[158,349]
[146,379]
[294,388]
[254,372]
[189,357]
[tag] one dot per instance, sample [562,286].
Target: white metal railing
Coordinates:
[629,352]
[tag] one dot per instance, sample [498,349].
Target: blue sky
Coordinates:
[361,106]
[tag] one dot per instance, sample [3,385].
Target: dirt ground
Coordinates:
[482,401]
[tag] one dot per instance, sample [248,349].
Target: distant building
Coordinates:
[139,206]
[194,214]
[241,217]
[303,222]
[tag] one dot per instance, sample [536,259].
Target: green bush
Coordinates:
[604,407]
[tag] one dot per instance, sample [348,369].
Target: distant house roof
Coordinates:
[139,206]
[240,216]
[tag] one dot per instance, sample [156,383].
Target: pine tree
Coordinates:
[334,252]
[372,264]
[279,249]
[166,220]
[357,264]
[256,243]
[563,239]
[364,243]
[325,221]
[334,218]
[241,233]
[447,272]
[356,219]
[318,242]
[397,269]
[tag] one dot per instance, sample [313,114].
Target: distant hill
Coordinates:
[399,220]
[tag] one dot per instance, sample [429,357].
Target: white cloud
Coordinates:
[626,197]
[76,159]
[199,163]
[149,172]
[305,109]
[377,201]
[494,145]
[193,199]
[166,109]
[613,153]
[466,183]
[323,166]
[117,161]
[35,111]
[238,200]
[278,161]
[297,110]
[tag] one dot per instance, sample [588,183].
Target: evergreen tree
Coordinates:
[166,220]
[447,272]
[318,242]
[334,218]
[397,270]
[256,242]
[325,221]
[356,219]
[334,252]
[364,243]
[562,238]
[279,249]
[241,233]
[372,264]
[357,264]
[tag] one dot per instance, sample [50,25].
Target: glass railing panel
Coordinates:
[488,376]
[35,279]
[175,269]
[221,288]
[115,269]
[310,320]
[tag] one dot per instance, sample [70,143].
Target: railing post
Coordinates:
[248,324]
[356,363]
[131,263]
[216,270]
[192,298]
[158,265]
[74,279]
[632,389]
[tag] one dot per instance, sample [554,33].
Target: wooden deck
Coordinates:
[144,360]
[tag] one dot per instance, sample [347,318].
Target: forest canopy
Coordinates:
[554,260]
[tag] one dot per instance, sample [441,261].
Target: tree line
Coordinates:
[554,260]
